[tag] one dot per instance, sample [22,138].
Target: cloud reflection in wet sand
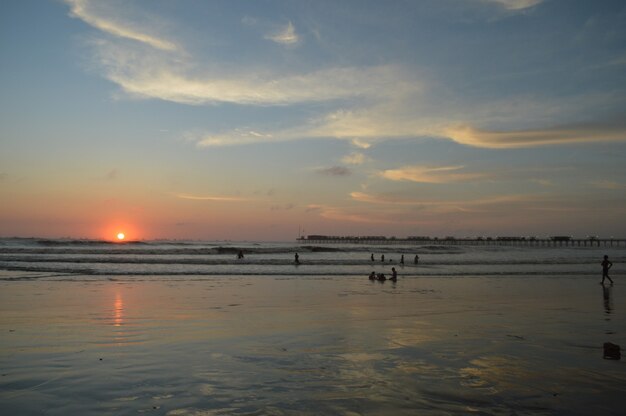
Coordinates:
[308,346]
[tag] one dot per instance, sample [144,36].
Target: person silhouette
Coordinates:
[402,259]
[417,259]
[394,274]
[297,258]
[606,265]
[372,257]
[382,258]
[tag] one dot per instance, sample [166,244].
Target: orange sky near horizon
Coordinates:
[258,121]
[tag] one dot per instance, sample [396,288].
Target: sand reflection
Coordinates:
[499,373]
[410,335]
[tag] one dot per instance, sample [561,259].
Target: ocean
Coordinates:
[93,259]
[185,328]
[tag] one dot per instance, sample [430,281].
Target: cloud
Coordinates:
[285,36]
[544,182]
[348,215]
[606,184]
[446,206]
[111,175]
[515,4]
[364,105]
[355,158]
[502,209]
[427,174]
[285,207]
[169,78]
[166,72]
[89,12]
[334,171]
[214,198]
[235,137]
[382,199]
[366,126]
[580,133]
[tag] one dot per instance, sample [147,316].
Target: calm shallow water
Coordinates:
[311,345]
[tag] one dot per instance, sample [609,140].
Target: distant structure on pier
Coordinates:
[553,241]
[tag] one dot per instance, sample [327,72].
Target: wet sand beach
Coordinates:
[313,345]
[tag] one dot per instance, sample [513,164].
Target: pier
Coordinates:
[557,241]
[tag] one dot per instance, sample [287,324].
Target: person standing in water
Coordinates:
[297,259]
[417,259]
[394,274]
[382,258]
[372,257]
[606,265]
[402,259]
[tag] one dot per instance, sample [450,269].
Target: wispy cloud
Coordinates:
[149,75]
[285,36]
[544,182]
[167,72]
[355,158]
[334,171]
[90,13]
[382,199]
[606,184]
[515,4]
[214,198]
[284,207]
[364,105]
[234,137]
[425,206]
[428,174]
[396,200]
[350,215]
[526,138]
[370,125]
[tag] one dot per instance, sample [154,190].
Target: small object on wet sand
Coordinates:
[611,351]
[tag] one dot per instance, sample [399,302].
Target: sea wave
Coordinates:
[125,258]
[178,258]
[75,274]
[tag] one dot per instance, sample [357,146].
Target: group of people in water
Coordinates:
[416,259]
[606,266]
[381,276]
[394,274]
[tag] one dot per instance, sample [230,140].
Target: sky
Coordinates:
[266,120]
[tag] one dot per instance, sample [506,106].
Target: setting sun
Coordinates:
[120,236]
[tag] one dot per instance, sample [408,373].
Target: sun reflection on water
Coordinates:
[118,310]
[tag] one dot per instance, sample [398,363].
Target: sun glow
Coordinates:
[119,231]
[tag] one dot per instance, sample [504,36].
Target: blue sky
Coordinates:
[252,120]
